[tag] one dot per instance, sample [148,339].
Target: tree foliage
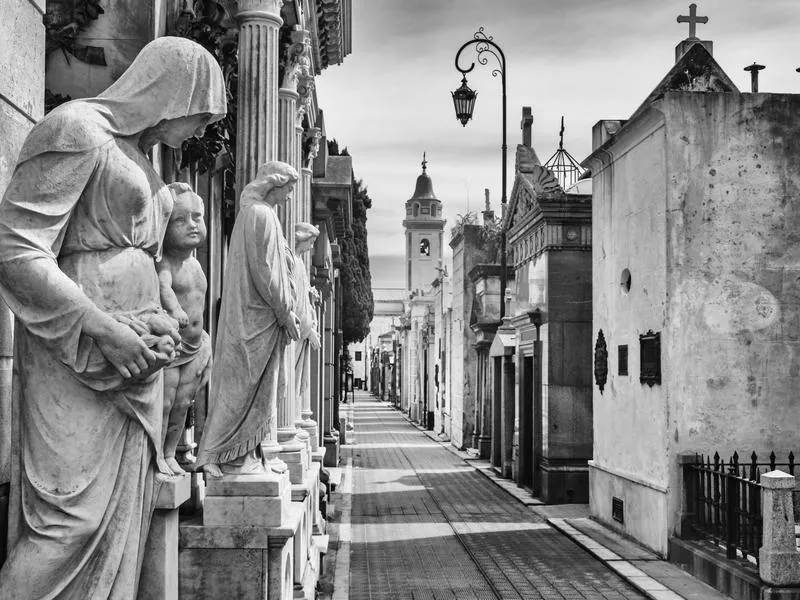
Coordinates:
[357,301]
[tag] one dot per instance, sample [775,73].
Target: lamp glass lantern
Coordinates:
[464,102]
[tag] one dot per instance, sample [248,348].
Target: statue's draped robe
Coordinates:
[257,300]
[80,226]
[308,324]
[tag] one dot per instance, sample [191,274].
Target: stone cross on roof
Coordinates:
[692,20]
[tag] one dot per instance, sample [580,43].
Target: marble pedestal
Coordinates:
[331,443]
[246,562]
[159,578]
[241,500]
[298,463]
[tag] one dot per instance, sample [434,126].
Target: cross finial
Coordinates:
[692,20]
[424,162]
[561,135]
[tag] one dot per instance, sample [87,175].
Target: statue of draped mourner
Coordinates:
[81,225]
[256,323]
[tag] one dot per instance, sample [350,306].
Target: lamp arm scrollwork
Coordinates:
[483,44]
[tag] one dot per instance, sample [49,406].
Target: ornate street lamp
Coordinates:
[464,103]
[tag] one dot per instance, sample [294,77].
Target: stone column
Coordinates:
[257,110]
[287,405]
[779,561]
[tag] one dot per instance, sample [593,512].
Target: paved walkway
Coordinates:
[424,524]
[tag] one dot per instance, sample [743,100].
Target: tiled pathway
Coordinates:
[427,525]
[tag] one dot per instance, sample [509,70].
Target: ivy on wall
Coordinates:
[64,20]
[203,23]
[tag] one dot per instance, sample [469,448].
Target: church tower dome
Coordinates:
[424,225]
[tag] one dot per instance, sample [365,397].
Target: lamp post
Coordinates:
[464,103]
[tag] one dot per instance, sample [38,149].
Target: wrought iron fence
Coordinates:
[726,500]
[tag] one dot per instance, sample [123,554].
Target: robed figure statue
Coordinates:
[256,323]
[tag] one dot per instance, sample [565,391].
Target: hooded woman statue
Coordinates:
[81,224]
[256,323]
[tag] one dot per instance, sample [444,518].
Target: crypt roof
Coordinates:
[695,71]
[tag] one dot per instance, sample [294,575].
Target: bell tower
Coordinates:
[424,226]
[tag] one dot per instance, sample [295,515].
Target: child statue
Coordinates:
[183,286]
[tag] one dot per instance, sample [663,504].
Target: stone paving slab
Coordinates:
[426,524]
[655,578]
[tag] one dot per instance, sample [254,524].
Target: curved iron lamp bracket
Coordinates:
[483,44]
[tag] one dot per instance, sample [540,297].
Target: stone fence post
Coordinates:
[779,560]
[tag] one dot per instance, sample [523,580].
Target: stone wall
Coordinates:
[21,105]
[629,232]
[121,31]
[700,204]
[733,274]
[468,251]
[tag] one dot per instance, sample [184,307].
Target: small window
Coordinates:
[424,247]
[622,355]
[358,356]
[416,209]
[433,210]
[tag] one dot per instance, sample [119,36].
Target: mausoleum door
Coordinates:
[526,422]
[538,433]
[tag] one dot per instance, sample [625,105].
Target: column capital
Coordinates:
[255,10]
[311,140]
[297,60]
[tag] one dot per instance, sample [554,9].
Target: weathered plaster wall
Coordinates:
[459,373]
[734,273]
[21,105]
[629,232]
[468,251]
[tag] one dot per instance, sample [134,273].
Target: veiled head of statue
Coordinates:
[171,78]
[305,234]
[172,81]
[273,184]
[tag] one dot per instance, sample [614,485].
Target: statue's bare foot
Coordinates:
[174,466]
[212,470]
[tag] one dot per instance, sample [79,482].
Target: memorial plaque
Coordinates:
[600,361]
[650,358]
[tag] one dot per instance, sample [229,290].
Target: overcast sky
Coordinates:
[585,59]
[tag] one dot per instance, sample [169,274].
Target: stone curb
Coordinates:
[636,577]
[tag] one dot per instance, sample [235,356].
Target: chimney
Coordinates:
[527,126]
[488,213]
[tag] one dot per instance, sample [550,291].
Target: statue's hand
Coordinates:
[124,349]
[314,340]
[292,327]
[163,324]
[181,316]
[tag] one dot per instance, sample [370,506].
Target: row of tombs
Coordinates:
[650,314]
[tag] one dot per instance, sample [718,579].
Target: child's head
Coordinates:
[187,228]
[305,234]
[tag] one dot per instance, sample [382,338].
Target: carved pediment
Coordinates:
[544,182]
[528,186]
